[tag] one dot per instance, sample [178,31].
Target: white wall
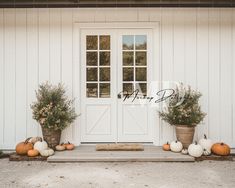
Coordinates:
[197,48]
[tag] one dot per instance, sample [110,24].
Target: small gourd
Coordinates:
[176,146]
[40,145]
[33,153]
[184,151]
[60,147]
[206,152]
[221,149]
[69,146]
[23,147]
[195,150]
[33,140]
[206,143]
[166,147]
[47,152]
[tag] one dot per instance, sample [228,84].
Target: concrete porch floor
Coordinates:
[87,153]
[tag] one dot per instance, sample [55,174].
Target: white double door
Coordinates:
[115,62]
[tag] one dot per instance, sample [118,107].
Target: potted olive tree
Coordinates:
[53,111]
[183,112]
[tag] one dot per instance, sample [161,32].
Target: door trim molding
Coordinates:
[77,27]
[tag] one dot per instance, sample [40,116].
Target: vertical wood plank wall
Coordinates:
[36,45]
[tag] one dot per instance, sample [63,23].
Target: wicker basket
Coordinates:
[51,136]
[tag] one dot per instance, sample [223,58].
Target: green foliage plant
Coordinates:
[53,109]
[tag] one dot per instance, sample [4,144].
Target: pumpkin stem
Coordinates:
[167,143]
[222,144]
[27,140]
[176,141]
[195,142]
[68,142]
[205,137]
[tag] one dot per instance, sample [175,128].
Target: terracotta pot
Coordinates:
[51,136]
[185,134]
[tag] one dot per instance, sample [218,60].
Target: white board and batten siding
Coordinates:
[197,47]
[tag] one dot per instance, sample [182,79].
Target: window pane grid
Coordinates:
[138,50]
[129,66]
[98,63]
[98,80]
[134,65]
[135,82]
[133,50]
[105,66]
[104,82]
[101,50]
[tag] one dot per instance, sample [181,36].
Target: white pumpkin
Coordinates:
[206,152]
[176,146]
[195,150]
[46,152]
[184,151]
[40,145]
[60,147]
[206,143]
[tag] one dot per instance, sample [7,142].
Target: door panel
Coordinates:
[101,116]
[134,65]
[98,86]
[137,117]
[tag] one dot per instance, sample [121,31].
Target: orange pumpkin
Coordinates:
[69,146]
[33,153]
[64,144]
[166,147]
[23,147]
[220,149]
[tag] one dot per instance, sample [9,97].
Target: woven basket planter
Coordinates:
[51,136]
[185,134]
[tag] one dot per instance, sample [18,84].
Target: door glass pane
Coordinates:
[104,58]
[134,62]
[91,58]
[104,74]
[142,87]
[105,42]
[98,61]
[128,58]
[140,42]
[140,58]
[104,90]
[92,42]
[141,74]
[127,88]
[91,74]
[127,42]
[92,90]
[128,74]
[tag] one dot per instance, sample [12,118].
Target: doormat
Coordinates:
[119,147]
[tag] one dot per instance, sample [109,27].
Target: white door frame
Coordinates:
[156,66]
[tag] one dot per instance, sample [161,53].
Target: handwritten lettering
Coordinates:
[161,95]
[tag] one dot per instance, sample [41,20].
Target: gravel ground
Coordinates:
[117,175]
